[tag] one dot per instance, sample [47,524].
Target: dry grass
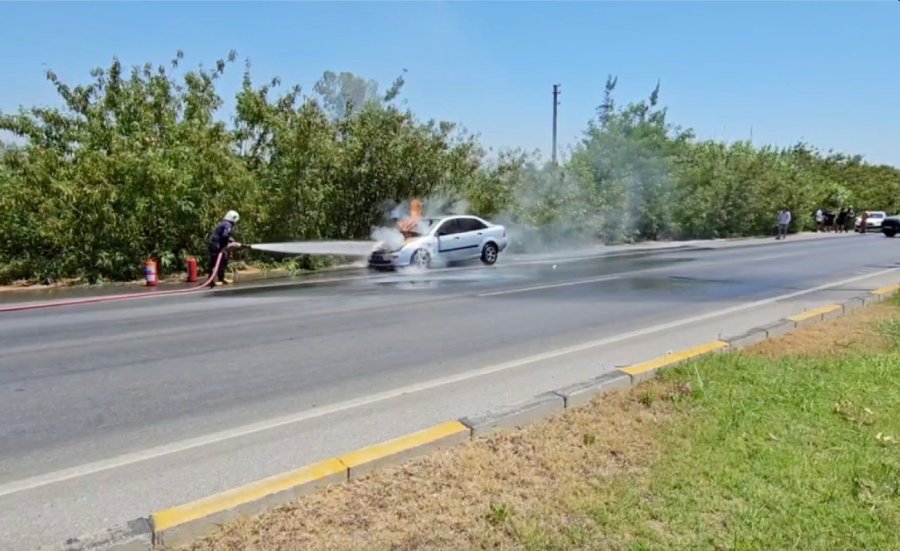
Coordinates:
[833,337]
[554,484]
[466,497]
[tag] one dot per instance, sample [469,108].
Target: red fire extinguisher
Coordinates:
[150,275]
[191,269]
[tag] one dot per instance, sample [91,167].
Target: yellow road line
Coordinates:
[181,514]
[391,447]
[888,290]
[670,359]
[169,518]
[803,316]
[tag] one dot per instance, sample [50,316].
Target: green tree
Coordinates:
[132,165]
[138,162]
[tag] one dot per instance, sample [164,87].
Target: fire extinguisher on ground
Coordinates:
[150,274]
[191,269]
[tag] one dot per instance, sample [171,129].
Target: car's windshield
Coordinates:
[423,227]
[876,215]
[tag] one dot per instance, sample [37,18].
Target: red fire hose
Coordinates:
[110,298]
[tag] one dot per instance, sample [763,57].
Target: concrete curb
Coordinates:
[779,328]
[581,394]
[182,524]
[515,415]
[393,452]
[647,370]
[817,314]
[751,337]
[886,291]
[853,304]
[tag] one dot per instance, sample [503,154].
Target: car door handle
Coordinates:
[479,233]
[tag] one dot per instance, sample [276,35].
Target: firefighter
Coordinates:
[220,241]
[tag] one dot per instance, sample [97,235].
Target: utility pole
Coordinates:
[555,104]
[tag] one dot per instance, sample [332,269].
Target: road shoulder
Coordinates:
[584,476]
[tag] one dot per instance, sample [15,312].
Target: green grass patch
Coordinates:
[790,453]
[792,444]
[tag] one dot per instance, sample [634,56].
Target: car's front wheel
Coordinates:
[890,232]
[489,253]
[420,259]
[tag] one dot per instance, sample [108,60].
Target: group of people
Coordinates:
[222,238]
[841,222]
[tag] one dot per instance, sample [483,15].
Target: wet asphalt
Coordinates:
[86,373]
[81,384]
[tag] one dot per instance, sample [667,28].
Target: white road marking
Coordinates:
[550,286]
[245,430]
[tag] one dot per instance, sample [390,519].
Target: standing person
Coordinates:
[222,239]
[863,221]
[850,221]
[820,220]
[842,220]
[784,220]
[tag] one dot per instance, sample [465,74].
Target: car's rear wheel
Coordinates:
[420,259]
[489,253]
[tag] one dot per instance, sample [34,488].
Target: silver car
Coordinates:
[442,241]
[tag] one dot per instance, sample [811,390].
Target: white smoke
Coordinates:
[390,238]
[434,206]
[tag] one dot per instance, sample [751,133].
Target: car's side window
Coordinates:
[449,227]
[470,224]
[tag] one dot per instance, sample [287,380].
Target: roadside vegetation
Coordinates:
[140,162]
[785,445]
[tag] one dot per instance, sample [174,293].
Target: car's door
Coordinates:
[448,239]
[472,232]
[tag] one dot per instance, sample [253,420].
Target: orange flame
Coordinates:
[408,225]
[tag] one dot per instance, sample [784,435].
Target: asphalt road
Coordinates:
[108,412]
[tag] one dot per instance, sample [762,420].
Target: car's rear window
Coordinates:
[470,224]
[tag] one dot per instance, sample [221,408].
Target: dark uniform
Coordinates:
[218,243]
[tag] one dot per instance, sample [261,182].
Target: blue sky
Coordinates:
[823,72]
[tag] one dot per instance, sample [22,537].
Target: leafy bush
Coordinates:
[137,164]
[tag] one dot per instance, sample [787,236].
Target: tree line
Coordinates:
[139,163]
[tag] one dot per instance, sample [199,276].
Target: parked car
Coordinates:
[890,226]
[443,241]
[874,218]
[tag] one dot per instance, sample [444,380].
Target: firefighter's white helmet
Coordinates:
[232,216]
